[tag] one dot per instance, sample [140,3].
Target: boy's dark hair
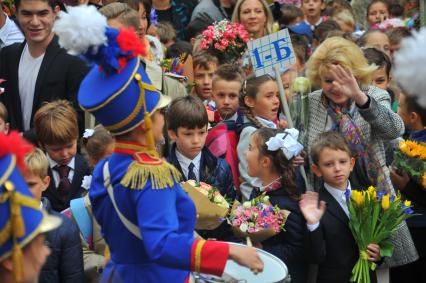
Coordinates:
[397,34]
[396,10]
[55,123]
[178,48]
[52,3]
[379,58]
[289,13]
[3,113]
[186,112]
[197,26]
[229,72]
[279,160]
[413,106]
[323,29]
[378,1]
[332,140]
[300,46]
[203,59]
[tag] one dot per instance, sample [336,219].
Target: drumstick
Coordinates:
[249,243]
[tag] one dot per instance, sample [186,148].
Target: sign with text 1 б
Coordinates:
[271,50]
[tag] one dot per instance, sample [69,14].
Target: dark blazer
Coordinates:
[59,77]
[332,245]
[81,169]
[288,244]
[216,172]
[65,263]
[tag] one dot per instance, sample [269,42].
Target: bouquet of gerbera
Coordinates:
[211,206]
[257,219]
[411,158]
[372,218]
[226,40]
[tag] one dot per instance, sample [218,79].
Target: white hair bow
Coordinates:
[88,133]
[287,142]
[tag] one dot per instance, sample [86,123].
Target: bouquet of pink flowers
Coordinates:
[257,219]
[226,40]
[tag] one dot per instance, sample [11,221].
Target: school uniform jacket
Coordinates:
[332,245]
[59,77]
[81,169]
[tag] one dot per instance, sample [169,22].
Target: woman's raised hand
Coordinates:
[345,83]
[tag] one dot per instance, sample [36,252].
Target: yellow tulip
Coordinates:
[385,202]
[372,192]
[358,197]
[407,203]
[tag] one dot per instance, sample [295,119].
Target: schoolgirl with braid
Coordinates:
[259,103]
[269,160]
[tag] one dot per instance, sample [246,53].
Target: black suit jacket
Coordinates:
[332,245]
[59,77]
[81,169]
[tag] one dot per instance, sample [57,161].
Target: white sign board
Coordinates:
[271,50]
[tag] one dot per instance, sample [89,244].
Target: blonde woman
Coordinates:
[348,103]
[255,16]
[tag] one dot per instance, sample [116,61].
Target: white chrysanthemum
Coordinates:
[81,28]
[410,66]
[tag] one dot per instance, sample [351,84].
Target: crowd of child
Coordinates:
[221,118]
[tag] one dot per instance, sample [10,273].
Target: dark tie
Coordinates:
[191,174]
[347,194]
[64,182]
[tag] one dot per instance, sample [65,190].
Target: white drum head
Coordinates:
[274,269]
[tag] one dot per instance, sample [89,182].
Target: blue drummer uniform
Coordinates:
[165,217]
[146,218]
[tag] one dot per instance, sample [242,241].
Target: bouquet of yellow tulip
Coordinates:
[411,158]
[372,218]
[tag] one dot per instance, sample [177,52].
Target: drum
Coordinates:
[274,271]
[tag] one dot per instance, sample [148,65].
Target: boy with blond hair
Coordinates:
[56,129]
[65,263]
[329,242]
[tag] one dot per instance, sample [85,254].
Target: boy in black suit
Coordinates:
[329,242]
[56,128]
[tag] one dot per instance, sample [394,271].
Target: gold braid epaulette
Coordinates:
[162,175]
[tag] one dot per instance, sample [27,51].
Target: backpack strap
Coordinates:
[134,229]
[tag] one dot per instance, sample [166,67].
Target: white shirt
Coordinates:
[10,33]
[56,178]
[316,24]
[27,77]
[266,122]
[184,164]
[339,196]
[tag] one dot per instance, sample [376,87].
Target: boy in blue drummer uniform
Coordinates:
[329,242]
[146,217]
[22,221]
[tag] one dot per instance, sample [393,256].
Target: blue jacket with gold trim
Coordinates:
[164,216]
